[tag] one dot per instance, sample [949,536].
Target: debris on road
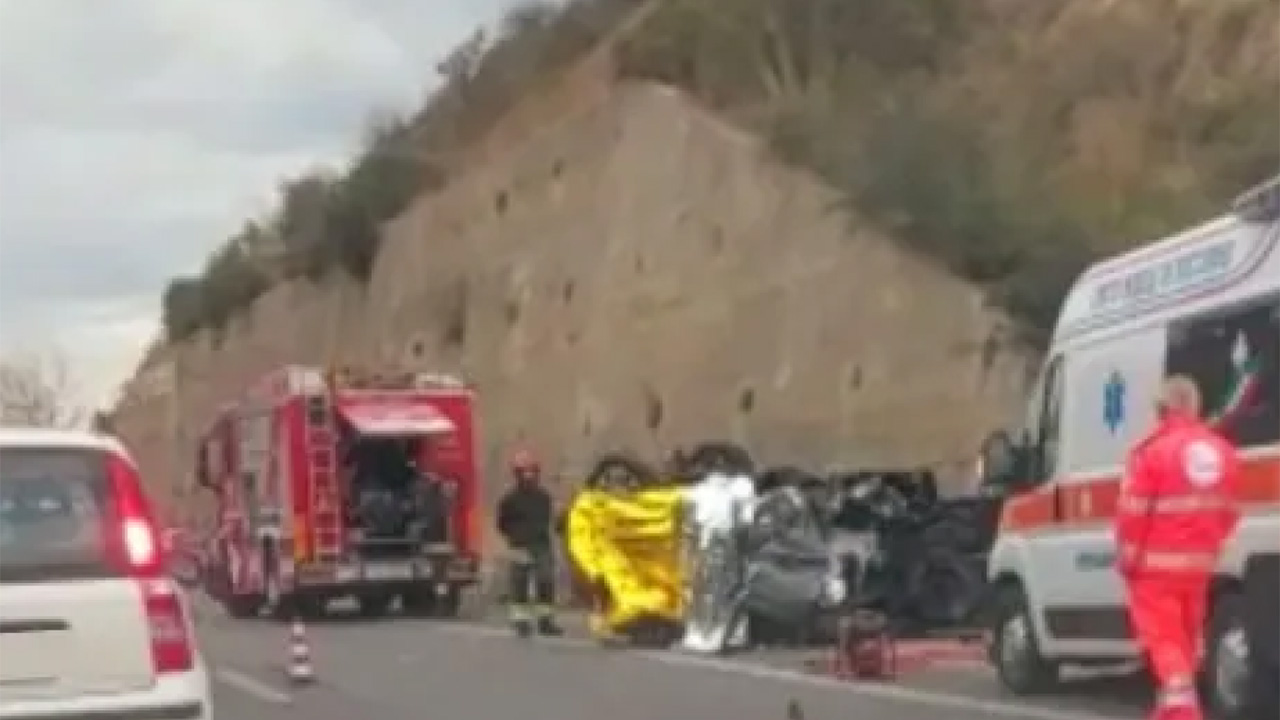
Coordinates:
[879,656]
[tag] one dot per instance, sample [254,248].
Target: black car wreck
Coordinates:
[808,550]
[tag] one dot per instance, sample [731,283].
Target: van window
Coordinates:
[1046,443]
[52,514]
[1234,357]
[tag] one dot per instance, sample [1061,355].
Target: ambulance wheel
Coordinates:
[1022,669]
[1231,691]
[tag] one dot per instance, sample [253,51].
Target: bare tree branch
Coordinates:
[36,390]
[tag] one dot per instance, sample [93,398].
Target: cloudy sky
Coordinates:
[136,134]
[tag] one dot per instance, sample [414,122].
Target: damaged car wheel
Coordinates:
[946,589]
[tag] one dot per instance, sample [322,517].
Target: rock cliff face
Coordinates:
[637,274]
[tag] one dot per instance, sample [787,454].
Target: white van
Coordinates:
[1204,303]
[91,624]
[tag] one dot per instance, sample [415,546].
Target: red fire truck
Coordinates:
[343,483]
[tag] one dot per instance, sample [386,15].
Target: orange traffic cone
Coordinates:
[299,670]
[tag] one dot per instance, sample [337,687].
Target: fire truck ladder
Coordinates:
[325,497]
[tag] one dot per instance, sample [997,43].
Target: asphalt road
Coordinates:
[406,669]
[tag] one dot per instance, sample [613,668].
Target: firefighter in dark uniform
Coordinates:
[526,520]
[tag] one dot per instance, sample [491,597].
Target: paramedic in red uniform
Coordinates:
[1176,509]
[526,520]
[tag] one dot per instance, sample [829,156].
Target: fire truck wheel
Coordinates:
[448,604]
[426,602]
[280,604]
[375,604]
[418,603]
[242,607]
[309,607]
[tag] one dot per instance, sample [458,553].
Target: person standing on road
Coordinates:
[1176,509]
[526,520]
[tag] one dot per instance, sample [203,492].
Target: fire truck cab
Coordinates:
[343,484]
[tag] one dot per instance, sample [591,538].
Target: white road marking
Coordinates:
[899,693]
[252,686]
[918,696]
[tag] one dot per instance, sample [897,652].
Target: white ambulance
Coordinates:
[1204,303]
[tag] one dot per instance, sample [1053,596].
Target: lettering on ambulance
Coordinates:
[1171,276]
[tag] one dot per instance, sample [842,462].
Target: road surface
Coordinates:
[405,669]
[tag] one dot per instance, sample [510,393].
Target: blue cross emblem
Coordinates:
[1113,402]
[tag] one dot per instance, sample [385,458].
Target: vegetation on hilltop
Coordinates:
[1012,141]
[327,223]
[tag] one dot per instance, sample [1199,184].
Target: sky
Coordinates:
[136,135]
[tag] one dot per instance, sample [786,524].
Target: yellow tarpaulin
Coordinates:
[629,544]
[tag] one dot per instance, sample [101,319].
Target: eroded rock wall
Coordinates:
[639,274]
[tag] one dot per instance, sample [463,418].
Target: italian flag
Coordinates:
[1246,383]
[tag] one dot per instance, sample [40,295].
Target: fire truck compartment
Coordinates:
[395,506]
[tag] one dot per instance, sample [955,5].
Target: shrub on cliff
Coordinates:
[232,279]
[1013,142]
[183,307]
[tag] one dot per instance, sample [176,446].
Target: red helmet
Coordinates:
[523,460]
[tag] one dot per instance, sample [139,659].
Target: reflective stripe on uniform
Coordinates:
[519,612]
[1172,504]
[1170,560]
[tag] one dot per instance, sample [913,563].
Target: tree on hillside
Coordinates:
[36,390]
[460,66]
[301,223]
[234,276]
[183,307]
[328,224]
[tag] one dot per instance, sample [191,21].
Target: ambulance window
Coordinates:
[1233,355]
[1049,440]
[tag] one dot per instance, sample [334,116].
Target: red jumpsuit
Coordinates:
[1176,509]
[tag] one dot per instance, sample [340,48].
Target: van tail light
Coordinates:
[133,545]
[133,541]
[171,646]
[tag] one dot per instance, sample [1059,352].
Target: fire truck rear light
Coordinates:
[171,649]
